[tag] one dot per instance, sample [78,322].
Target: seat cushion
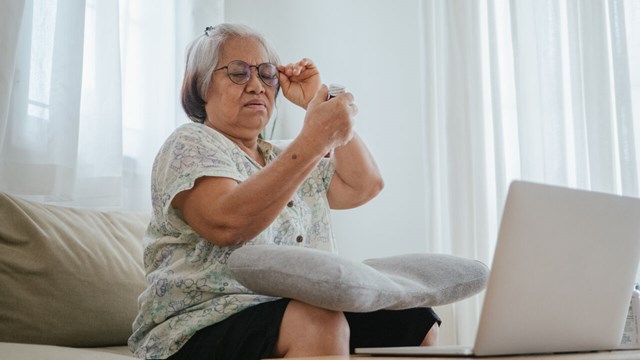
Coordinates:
[69,276]
[15,351]
[333,282]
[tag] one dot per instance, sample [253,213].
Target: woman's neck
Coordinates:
[248,145]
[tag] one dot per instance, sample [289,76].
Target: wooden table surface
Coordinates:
[602,355]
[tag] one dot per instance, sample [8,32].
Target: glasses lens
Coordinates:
[239,71]
[268,73]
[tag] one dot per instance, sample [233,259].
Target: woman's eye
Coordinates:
[238,75]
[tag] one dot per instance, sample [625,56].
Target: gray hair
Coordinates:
[202,56]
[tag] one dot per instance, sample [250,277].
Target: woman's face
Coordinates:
[240,111]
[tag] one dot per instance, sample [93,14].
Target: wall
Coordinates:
[371,48]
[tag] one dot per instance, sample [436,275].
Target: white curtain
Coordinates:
[89,90]
[525,89]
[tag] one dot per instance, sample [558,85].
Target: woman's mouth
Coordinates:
[256,104]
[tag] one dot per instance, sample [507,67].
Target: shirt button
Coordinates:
[290,203]
[299,238]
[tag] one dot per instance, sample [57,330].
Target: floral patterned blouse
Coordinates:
[188,284]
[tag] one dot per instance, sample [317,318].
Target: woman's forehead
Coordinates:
[247,49]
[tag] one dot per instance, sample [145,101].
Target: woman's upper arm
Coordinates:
[341,196]
[200,208]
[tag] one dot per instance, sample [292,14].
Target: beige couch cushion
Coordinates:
[15,351]
[68,276]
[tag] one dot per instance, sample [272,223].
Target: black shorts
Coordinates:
[253,333]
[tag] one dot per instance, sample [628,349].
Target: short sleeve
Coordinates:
[191,152]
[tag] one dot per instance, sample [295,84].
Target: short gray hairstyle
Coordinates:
[202,56]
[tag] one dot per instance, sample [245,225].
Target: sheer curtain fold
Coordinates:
[9,34]
[45,97]
[524,89]
[622,98]
[90,94]
[458,185]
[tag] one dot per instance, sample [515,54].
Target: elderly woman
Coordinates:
[217,186]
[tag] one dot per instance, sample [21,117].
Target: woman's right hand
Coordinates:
[299,81]
[329,123]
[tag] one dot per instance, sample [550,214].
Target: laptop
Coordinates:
[562,276]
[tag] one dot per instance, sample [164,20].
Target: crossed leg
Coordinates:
[307,330]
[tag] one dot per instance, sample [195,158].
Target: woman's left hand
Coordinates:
[299,81]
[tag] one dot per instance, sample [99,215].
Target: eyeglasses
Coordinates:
[240,72]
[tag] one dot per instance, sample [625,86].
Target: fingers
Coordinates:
[346,99]
[349,102]
[320,96]
[331,120]
[353,109]
[349,111]
[299,81]
[295,69]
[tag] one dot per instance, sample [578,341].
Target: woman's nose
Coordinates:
[254,85]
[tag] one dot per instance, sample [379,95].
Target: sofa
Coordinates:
[69,280]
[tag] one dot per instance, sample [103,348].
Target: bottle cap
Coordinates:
[335,90]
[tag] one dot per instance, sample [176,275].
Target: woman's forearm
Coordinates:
[357,178]
[228,213]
